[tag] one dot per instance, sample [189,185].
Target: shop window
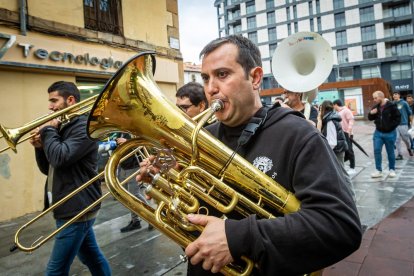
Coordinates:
[89,87]
[103,16]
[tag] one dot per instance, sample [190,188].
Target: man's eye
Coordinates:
[204,78]
[222,74]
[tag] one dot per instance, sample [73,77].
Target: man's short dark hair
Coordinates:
[248,57]
[194,91]
[410,95]
[65,89]
[338,102]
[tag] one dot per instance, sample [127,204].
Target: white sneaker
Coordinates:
[376,174]
[351,171]
[392,173]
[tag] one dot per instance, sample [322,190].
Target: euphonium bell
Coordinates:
[132,102]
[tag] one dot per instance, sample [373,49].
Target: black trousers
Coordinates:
[349,154]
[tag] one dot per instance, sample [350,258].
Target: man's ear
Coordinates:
[202,105]
[70,100]
[257,75]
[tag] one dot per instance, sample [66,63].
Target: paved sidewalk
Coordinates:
[386,208]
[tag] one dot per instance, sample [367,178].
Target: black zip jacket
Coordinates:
[74,159]
[386,120]
[327,227]
[342,145]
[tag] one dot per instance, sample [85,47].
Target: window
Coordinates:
[338,4]
[404,29]
[366,14]
[318,7]
[368,33]
[296,26]
[103,16]
[341,38]
[271,19]
[364,1]
[237,28]
[401,70]
[400,49]
[342,55]
[270,4]
[319,21]
[272,48]
[252,36]
[310,7]
[312,28]
[340,19]
[369,51]
[272,34]
[250,7]
[89,87]
[295,12]
[370,72]
[288,13]
[345,74]
[251,22]
[289,29]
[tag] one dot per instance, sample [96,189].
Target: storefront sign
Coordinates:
[402,87]
[28,50]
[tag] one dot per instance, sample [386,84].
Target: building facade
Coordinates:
[369,38]
[192,73]
[82,41]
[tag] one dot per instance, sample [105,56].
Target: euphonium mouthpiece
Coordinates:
[217,104]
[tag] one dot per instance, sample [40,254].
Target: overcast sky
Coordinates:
[198,26]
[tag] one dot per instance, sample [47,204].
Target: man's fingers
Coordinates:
[198,219]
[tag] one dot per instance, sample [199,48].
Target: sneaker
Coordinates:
[376,174]
[399,157]
[133,225]
[392,173]
[351,171]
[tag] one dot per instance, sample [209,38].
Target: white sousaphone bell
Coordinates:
[301,63]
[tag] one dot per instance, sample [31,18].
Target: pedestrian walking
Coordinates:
[386,117]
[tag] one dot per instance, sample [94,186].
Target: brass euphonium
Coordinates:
[132,102]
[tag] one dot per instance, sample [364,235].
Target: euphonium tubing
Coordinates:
[132,102]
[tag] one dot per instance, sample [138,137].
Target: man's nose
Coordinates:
[210,87]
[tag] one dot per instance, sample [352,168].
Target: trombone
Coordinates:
[13,135]
[141,151]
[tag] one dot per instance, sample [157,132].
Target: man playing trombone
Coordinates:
[69,158]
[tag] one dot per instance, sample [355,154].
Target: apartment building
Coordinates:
[82,41]
[369,38]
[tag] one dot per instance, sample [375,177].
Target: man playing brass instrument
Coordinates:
[325,230]
[69,158]
[190,98]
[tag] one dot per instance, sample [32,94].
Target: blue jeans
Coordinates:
[77,239]
[387,139]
